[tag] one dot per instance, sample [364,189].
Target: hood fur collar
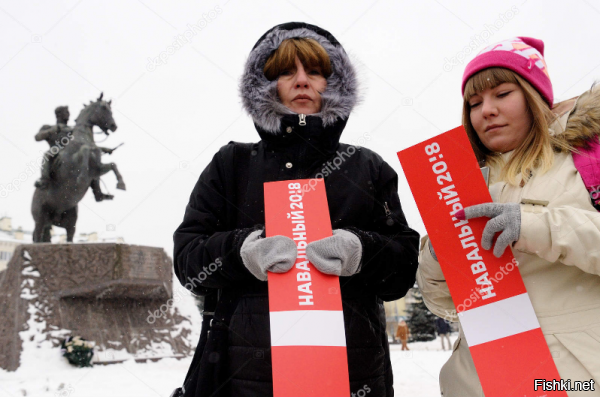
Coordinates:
[579,118]
[259,95]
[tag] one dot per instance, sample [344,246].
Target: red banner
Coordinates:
[307,323]
[495,312]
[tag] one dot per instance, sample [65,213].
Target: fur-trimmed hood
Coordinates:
[259,95]
[579,118]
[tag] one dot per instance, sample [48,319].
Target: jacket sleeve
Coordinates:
[390,247]
[564,233]
[432,284]
[206,254]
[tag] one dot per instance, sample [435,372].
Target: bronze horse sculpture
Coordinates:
[76,166]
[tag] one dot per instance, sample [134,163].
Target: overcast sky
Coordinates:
[174,115]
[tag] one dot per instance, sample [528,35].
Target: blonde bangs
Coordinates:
[488,78]
[309,51]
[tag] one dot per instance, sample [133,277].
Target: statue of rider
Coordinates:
[54,134]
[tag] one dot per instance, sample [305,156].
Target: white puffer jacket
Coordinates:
[559,259]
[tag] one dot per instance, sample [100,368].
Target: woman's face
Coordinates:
[300,89]
[500,117]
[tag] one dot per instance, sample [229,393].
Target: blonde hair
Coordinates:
[309,51]
[536,152]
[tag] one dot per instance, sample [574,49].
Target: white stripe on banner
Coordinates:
[308,328]
[497,320]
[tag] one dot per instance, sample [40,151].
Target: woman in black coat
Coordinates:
[216,252]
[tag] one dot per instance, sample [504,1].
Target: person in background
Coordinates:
[541,208]
[403,333]
[443,330]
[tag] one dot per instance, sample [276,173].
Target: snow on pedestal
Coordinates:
[118,296]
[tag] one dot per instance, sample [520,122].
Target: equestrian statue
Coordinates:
[71,166]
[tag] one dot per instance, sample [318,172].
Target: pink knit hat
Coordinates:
[522,55]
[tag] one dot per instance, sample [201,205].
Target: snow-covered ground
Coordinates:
[57,378]
[44,372]
[47,373]
[417,371]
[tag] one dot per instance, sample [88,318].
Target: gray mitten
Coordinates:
[432,251]
[506,218]
[339,254]
[275,254]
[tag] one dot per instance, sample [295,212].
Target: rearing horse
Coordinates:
[77,164]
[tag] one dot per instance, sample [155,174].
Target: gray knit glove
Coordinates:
[275,254]
[432,251]
[506,218]
[339,254]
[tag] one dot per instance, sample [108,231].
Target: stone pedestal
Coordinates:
[104,292]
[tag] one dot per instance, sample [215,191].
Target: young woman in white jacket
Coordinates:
[541,208]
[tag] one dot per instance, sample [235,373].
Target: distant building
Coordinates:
[11,238]
[89,238]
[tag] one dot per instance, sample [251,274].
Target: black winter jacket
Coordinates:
[233,356]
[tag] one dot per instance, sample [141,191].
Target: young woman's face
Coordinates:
[500,117]
[300,89]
